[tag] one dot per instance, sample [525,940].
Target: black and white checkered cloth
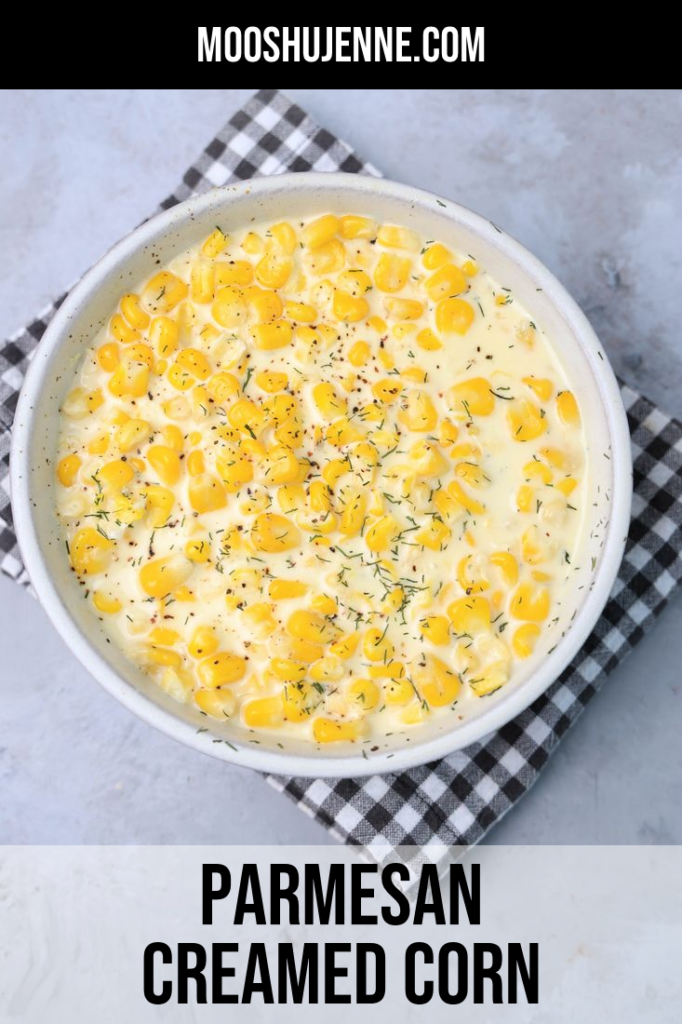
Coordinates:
[454,801]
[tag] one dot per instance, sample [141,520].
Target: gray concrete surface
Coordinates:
[591,181]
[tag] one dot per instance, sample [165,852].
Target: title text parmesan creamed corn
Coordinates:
[323,477]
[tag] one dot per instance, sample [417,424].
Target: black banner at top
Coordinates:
[524,48]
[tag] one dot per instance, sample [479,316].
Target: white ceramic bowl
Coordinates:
[287,197]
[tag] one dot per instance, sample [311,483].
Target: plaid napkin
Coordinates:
[454,801]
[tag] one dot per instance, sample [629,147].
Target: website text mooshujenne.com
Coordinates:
[356,45]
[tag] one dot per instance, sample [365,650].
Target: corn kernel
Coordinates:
[253,244]
[214,244]
[447,282]
[300,312]
[202,282]
[229,307]
[298,701]
[272,335]
[436,684]
[129,380]
[345,646]
[427,340]
[319,496]
[382,533]
[398,691]
[291,497]
[392,272]
[326,730]
[273,533]
[203,642]
[377,324]
[329,403]
[221,669]
[132,434]
[448,433]
[542,387]
[536,470]
[164,575]
[282,590]
[348,308]
[90,551]
[197,550]
[325,259]
[435,256]
[289,432]
[533,547]
[165,462]
[163,292]
[164,335]
[524,498]
[473,397]
[285,237]
[320,231]
[281,465]
[263,713]
[105,603]
[530,604]
[364,693]
[490,679]
[435,628]
[342,432]
[567,409]
[196,464]
[555,457]
[454,316]
[234,272]
[403,330]
[122,331]
[404,309]
[398,238]
[107,356]
[274,269]
[138,352]
[417,412]
[220,704]
[100,445]
[159,502]
[354,226]
[314,628]
[163,656]
[67,470]
[507,565]
[471,575]
[376,646]
[162,636]
[526,420]
[116,475]
[287,670]
[356,282]
[469,615]
[326,670]
[386,359]
[434,535]
[567,486]
[194,362]
[134,314]
[247,417]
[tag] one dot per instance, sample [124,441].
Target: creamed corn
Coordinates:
[323,478]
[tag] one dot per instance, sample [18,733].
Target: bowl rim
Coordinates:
[317,764]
